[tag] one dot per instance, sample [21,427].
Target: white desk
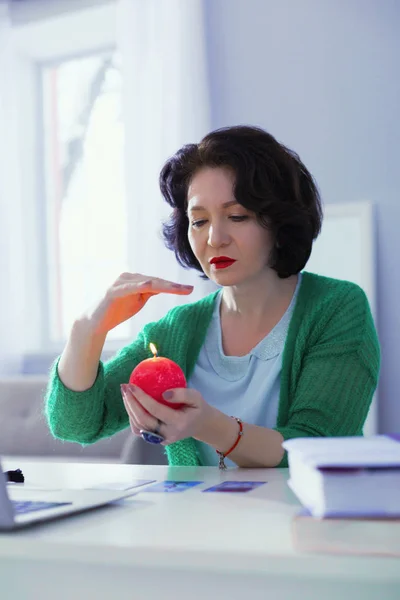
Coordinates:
[188,545]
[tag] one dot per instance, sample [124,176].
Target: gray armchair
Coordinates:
[24,431]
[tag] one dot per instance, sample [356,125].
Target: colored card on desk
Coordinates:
[235,486]
[172,486]
[122,485]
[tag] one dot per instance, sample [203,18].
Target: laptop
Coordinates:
[21,507]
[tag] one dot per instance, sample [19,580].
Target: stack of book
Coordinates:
[346,476]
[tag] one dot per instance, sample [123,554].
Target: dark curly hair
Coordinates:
[270,180]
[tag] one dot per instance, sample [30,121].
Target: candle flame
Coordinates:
[153,349]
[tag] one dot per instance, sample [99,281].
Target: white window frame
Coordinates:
[36,42]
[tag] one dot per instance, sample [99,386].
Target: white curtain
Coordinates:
[12,246]
[166,105]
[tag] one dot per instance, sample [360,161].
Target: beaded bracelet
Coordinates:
[223,455]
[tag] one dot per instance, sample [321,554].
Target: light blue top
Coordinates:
[241,386]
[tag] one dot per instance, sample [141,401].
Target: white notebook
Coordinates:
[346,476]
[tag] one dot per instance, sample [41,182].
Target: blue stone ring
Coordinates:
[152,437]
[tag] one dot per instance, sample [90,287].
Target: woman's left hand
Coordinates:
[147,414]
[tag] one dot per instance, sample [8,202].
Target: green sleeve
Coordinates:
[338,378]
[88,416]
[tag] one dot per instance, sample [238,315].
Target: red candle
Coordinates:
[156,375]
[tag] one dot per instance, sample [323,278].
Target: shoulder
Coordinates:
[324,303]
[336,313]
[319,290]
[333,309]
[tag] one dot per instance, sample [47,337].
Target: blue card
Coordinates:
[172,486]
[235,486]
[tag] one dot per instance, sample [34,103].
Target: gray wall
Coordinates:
[323,76]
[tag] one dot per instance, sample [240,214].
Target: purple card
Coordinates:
[235,486]
[172,486]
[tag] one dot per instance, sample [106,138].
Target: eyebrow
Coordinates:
[225,205]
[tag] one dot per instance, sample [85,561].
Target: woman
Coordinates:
[287,353]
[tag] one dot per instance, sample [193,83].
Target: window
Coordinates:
[69,139]
[74,227]
[86,242]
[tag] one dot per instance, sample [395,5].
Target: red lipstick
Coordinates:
[222,262]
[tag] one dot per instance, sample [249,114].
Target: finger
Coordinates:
[128,398]
[127,277]
[139,279]
[148,287]
[134,428]
[142,418]
[129,412]
[158,286]
[129,288]
[157,426]
[184,291]
[187,396]
[129,404]
[156,409]
[132,423]
[165,282]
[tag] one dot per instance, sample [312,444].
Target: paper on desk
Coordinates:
[32,487]
[121,485]
[113,485]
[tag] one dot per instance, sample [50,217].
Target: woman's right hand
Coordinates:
[127,296]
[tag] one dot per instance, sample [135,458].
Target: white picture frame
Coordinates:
[345,249]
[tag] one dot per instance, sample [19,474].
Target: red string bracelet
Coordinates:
[223,455]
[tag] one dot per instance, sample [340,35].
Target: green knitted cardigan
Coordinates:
[330,370]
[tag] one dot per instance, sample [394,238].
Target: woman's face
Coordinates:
[221,227]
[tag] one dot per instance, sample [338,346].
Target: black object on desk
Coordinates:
[16,476]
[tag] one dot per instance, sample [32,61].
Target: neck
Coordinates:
[260,299]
